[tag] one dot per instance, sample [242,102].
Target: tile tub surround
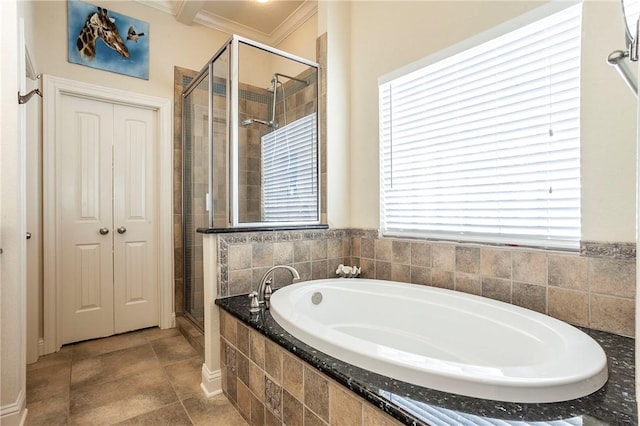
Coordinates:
[273,378]
[594,288]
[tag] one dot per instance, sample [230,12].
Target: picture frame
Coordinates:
[107,40]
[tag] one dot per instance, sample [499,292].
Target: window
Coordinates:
[289,172]
[484,145]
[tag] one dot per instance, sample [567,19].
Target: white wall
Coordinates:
[386,35]
[12,228]
[334,18]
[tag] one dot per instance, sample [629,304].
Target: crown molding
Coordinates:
[305,11]
[165,6]
[228,26]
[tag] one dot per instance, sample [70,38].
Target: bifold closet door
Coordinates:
[107,217]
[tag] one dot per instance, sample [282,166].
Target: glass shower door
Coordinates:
[195,154]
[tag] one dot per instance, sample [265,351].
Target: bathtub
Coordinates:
[443,339]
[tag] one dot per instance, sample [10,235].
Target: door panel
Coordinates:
[135,245]
[86,188]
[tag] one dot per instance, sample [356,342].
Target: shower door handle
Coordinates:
[122,230]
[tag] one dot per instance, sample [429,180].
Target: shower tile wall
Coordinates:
[253,103]
[596,291]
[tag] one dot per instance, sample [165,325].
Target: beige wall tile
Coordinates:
[262,254]
[442,279]
[228,326]
[244,400]
[283,253]
[257,348]
[334,248]
[443,256]
[292,413]
[400,273]
[495,263]
[256,381]
[273,360]
[529,267]
[468,283]
[316,393]
[529,296]
[292,376]
[613,314]
[310,419]
[240,282]
[420,275]
[383,270]
[257,411]
[242,338]
[355,246]
[384,249]
[240,256]
[468,259]
[401,252]
[496,288]
[420,254]
[367,268]
[242,367]
[367,248]
[568,305]
[345,409]
[568,271]
[301,251]
[319,249]
[613,277]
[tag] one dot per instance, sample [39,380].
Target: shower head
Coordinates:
[250,121]
[274,84]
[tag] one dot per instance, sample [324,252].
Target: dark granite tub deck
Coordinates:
[614,404]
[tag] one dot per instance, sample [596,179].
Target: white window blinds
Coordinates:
[485,145]
[289,172]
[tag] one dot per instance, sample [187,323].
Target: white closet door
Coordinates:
[86,218]
[135,224]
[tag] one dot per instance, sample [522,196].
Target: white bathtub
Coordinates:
[442,339]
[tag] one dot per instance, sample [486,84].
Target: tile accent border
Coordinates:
[608,249]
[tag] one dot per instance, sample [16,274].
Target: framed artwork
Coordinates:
[103,39]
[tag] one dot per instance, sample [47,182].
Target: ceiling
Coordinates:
[268,22]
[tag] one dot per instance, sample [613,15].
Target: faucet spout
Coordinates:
[264,288]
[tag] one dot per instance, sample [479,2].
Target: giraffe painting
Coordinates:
[100,26]
[107,40]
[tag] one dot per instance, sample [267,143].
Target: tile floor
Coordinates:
[146,377]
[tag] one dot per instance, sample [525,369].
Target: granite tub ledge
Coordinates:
[613,404]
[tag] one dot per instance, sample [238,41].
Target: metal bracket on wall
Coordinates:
[23,99]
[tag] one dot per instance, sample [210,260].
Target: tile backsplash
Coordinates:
[594,288]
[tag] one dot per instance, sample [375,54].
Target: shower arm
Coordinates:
[275,81]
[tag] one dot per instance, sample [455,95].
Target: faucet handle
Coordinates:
[255,306]
[268,291]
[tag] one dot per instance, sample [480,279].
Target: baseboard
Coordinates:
[211,381]
[41,347]
[14,414]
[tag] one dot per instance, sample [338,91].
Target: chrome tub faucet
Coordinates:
[263,295]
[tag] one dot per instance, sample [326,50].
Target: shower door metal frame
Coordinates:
[234,124]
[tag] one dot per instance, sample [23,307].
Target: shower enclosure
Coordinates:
[250,150]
